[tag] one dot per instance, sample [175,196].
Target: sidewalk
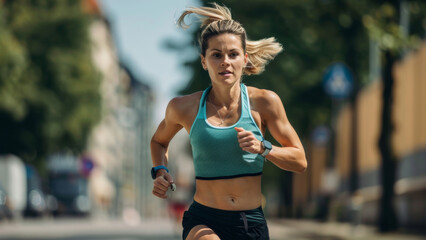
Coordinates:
[306,229]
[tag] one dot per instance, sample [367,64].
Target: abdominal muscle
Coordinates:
[243,193]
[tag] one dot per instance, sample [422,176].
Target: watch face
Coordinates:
[267,144]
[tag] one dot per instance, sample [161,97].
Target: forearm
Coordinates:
[288,158]
[159,154]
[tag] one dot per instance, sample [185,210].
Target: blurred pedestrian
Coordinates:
[226,125]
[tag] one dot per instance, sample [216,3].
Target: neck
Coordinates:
[227,97]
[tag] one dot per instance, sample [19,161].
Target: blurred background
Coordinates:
[84,84]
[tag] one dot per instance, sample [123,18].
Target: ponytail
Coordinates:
[260,53]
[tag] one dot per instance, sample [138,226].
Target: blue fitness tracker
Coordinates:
[155,169]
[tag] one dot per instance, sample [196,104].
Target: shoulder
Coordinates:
[185,101]
[263,97]
[182,105]
[267,103]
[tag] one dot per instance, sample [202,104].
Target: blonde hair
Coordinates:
[217,20]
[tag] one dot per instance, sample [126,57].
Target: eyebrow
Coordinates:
[215,49]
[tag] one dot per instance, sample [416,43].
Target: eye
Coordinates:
[216,55]
[234,54]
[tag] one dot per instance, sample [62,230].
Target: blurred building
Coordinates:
[120,181]
[324,191]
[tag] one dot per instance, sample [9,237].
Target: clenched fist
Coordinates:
[248,142]
[162,184]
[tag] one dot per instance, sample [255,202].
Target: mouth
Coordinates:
[225,73]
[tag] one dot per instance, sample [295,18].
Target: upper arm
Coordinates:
[171,124]
[275,119]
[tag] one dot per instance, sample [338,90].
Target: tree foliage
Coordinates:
[49,88]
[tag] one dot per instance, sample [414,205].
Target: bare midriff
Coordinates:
[243,193]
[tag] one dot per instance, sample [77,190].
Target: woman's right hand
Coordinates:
[161,184]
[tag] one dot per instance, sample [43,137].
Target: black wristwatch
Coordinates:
[267,146]
[155,169]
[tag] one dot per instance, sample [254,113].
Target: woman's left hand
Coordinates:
[248,142]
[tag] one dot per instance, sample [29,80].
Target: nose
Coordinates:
[225,61]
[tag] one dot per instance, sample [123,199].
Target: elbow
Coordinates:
[303,165]
[156,143]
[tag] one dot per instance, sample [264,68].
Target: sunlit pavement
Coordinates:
[165,229]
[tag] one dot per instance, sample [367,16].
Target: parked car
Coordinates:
[68,187]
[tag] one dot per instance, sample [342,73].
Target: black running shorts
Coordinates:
[228,225]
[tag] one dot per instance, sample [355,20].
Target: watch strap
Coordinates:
[266,152]
[154,170]
[267,146]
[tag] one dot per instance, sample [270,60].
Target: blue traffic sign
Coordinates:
[338,81]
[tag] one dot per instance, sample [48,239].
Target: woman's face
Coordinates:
[225,58]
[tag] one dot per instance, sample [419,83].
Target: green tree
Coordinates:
[49,88]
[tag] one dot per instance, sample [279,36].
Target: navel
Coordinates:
[233,200]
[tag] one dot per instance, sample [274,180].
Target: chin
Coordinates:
[226,80]
[229,81]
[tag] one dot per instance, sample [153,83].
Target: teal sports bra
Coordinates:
[216,151]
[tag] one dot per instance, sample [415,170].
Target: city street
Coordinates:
[164,229]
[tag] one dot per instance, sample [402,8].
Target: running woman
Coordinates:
[226,124]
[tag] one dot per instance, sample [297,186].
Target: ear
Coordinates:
[203,61]
[245,59]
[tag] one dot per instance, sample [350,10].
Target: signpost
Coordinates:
[338,81]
